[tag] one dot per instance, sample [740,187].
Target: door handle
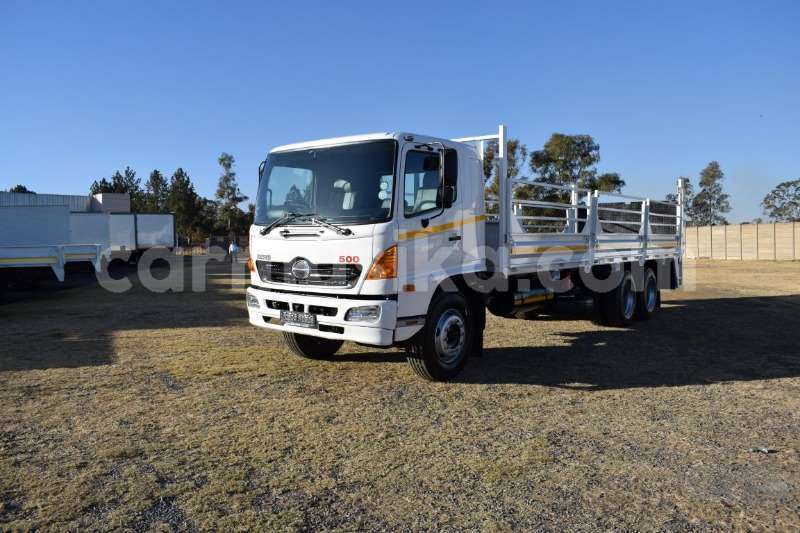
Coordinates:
[454,238]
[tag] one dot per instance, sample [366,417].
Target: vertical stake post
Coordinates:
[572,226]
[505,190]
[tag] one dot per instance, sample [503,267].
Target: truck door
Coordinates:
[430,239]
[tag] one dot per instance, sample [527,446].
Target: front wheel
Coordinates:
[311,347]
[439,351]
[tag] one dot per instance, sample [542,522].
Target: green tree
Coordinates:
[688,201]
[128,181]
[122,183]
[783,202]
[21,189]
[516,154]
[251,214]
[205,218]
[156,192]
[570,159]
[607,182]
[228,194]
[185,203]
[101,186]
[567,159]
[710,203]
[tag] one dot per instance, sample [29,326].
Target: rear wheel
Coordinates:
[311,347]
[618,306]
[649,299]
[439,351]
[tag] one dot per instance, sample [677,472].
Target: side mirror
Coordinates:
[449,196]
[261,169]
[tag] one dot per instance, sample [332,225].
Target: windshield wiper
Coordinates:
[325,224]
[285,219]
[313,217]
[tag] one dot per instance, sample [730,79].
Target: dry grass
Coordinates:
[168,411]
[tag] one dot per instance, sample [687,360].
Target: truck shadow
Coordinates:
[74,324]
[690,342]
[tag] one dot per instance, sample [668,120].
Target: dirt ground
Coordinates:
[168,411]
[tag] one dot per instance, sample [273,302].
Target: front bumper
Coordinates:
[332,325]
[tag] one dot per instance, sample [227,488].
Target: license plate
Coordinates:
[294,318]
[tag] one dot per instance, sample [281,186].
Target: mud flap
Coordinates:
[479,317]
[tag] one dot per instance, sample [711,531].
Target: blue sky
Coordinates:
[664,87]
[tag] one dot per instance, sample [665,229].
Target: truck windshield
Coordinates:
[348,184]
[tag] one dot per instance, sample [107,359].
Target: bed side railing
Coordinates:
[529,210]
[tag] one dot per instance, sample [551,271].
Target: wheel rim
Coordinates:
[628,299]
[450,338]
[651,297]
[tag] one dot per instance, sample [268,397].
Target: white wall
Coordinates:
[767,242]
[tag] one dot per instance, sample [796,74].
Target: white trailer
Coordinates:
[45,230]
[120,233]
[40,236]
[390,240]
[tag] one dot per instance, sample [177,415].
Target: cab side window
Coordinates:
[422,185]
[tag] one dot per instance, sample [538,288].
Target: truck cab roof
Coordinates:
[334,141]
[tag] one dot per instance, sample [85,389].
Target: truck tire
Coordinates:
[311,347]
[648,300]
[439,351]
[618,306]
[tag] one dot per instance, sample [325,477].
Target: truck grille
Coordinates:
[323,275]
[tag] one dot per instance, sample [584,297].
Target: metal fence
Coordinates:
[765,242]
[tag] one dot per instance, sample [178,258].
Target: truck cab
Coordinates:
[401,212]
[381,239]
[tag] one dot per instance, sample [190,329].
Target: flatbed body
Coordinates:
[584,229]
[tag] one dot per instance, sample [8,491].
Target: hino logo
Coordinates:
[301,269]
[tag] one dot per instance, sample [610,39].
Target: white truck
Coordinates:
[391,239]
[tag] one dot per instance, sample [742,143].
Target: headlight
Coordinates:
[367,313]
[252,301]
